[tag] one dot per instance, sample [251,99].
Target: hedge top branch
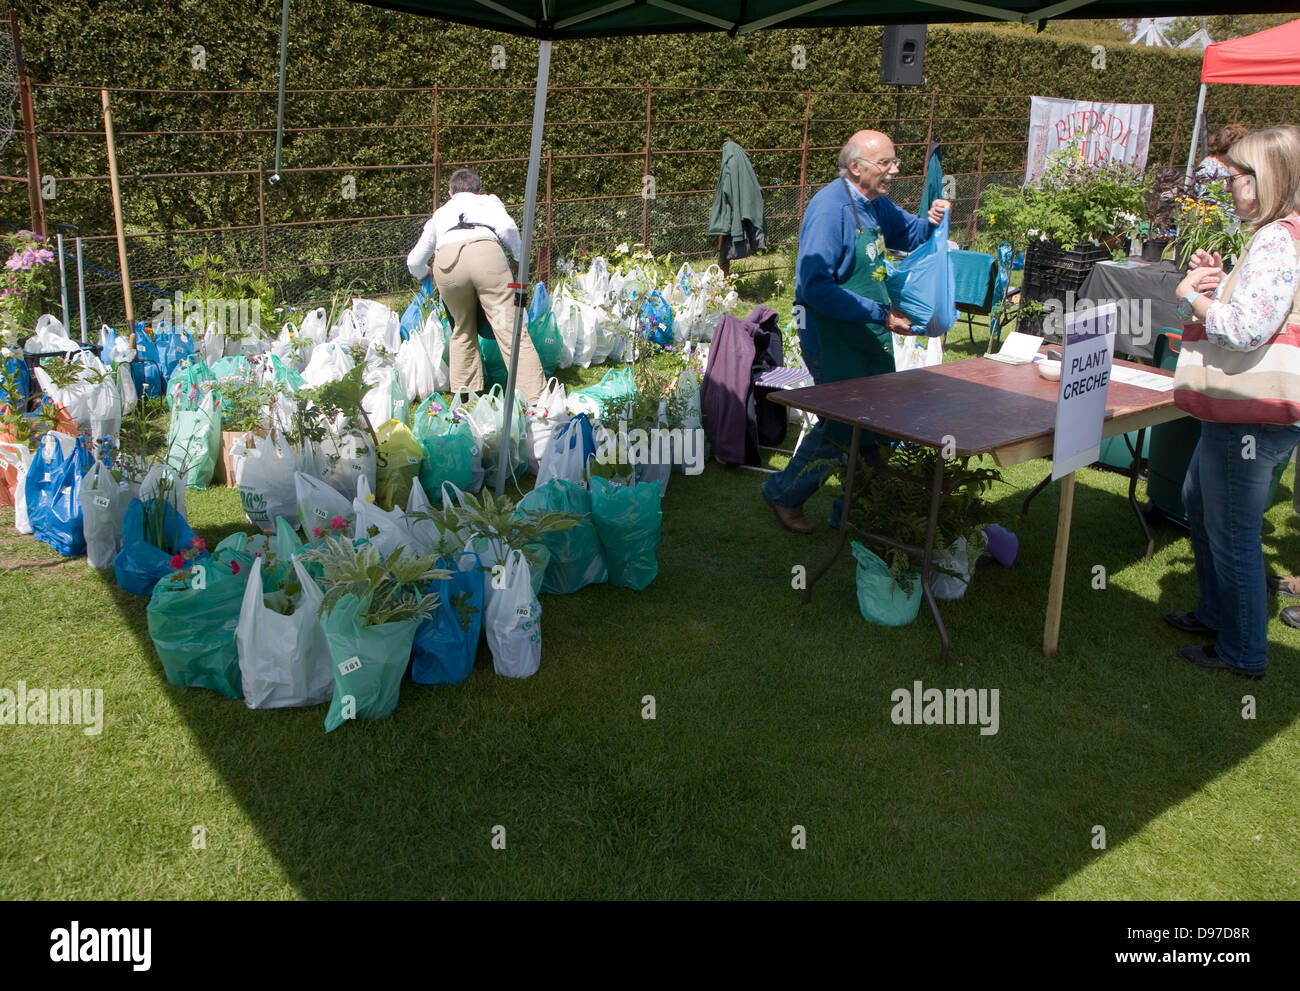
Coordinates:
[1111,132]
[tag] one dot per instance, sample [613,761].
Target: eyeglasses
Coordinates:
[1239,175]
[884,163]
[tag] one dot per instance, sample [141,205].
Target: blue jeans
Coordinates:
[792,486]
[1226,495]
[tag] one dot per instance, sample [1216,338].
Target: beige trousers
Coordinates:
[470,273]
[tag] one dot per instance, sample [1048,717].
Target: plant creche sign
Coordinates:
[1085,379]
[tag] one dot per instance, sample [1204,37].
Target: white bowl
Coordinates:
[1049,369]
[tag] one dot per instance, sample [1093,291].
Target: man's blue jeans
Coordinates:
[1226,495]
[792,486]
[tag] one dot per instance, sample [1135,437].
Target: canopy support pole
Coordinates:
[279,103]
[1196,132]
[526,237]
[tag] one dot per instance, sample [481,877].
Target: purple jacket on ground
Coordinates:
[726,395]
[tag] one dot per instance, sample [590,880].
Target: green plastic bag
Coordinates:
[368,663]
[285,375]
[628,520]
[546,339]
[190,383]
[194,441]
[397,464]
[233,366]
[192,617]
[611,393]
[880,600]
[448,447]
[577,559]
[494,366]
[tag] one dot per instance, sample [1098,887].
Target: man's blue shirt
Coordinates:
[827,242]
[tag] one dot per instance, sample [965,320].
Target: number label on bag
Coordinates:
[412,461]
[47,476]
[101,502]
[350,665]
[357,468]
[321,513]
[523,611]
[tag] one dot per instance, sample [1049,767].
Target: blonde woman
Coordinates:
[1228,480]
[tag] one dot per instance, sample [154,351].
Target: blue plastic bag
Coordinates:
[540,303]
[53,492]
[173,347]
[654,320]
[139,564]
[923,286]
[15,370]
[414,315]
[445,645]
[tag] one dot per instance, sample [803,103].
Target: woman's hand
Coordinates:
[1204,259]
[1200,280]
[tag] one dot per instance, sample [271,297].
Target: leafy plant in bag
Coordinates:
[389,587]
[499,521]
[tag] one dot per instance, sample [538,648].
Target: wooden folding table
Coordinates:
[968,408]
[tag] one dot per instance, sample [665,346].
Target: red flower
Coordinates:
[178,561]
[234,567]
[198,543]
[338,523]
[318,531]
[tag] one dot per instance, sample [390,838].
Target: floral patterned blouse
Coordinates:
[1262,298]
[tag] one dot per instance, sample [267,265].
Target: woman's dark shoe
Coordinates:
[1207,657]
[1186,622]
[1288,586]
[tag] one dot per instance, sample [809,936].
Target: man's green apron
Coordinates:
[856,350]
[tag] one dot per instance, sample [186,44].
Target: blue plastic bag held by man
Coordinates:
[923,286]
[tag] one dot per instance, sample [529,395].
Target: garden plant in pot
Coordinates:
[1075,216]
[1208,224]
[1157,225]
[891,501]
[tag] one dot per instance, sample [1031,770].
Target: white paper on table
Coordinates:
[1018,349]
[1141,379]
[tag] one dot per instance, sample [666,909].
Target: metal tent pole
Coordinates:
[1196,132]
[526,236]
[81,290]
[279,106]
[63,283]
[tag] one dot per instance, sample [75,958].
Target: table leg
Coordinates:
[1056,591]
[1024,506]
[927,554]
[844,516]
[1135,466]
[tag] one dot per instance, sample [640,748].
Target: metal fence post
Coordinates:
[261,217]
[645,200]
[34,202]
[803,152]
[550,242]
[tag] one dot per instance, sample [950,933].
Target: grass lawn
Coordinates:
[770,714]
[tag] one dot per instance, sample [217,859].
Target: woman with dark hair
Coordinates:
[1227,487]
[1215,165]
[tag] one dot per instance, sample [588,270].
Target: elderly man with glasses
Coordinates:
[842,310]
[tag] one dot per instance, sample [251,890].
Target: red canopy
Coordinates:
[1267,58]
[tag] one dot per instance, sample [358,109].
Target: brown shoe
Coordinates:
[793,519]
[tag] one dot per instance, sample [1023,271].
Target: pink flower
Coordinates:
[337,523]
[234,567]
[199,543]
[178,561]
[318,531]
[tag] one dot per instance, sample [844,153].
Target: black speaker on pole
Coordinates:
[902,55]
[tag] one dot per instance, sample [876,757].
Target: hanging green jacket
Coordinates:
[737,213]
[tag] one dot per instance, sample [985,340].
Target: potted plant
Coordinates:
[892,501]
[1156,226]
[1208,224]
[371,609]
[28,273]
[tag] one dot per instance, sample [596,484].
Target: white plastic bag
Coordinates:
[329,363]
[425,535]
[415,364]
[565,456]
[911,351]
[150,486]
[319,505]
[386,398]
[390,526]
[265,481]
[378,324]
[17,456]
[568,321]
[103,507]
[50,336]
[105,406]
[126,387]
[347,460]
[283,660]
[544,418]
[512,618]
[594,284]
[434,338]
[314,326]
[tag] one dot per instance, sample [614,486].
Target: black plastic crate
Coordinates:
[1051,273]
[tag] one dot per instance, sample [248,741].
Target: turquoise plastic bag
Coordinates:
[546,339]
[611,393]
[577,559]
[234,366]
[369,662]
[192,618]
[628,519]
[448,445]
[194,442]
[191,383]
[880,600]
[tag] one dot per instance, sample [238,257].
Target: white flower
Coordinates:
[622,249]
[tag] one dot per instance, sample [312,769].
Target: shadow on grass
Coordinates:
[771,715]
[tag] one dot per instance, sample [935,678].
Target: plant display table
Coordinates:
[969,408]
[1132,284]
